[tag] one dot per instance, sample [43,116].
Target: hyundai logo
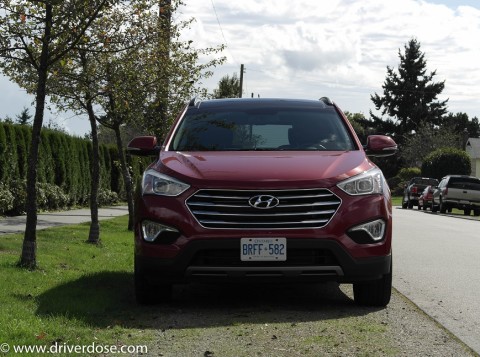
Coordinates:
[263,201]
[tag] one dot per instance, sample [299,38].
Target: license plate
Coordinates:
[263,249]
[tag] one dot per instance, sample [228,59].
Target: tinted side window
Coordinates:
[465,183]
[425,181]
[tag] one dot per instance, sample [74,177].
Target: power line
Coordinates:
[221,29]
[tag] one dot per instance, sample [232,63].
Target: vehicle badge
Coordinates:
[264,201]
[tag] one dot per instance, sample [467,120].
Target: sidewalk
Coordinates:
[46,220]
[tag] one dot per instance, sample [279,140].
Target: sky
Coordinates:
[315,48]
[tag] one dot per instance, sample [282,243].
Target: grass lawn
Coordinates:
[396,201]
[80,293]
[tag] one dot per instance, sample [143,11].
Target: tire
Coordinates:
[443,206]
[409,204]
[149,294]
[375,292]
[420,207]
[476,212]
[425,207]
[466,212]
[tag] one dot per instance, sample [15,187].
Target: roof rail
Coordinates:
[194,102]
[326,100]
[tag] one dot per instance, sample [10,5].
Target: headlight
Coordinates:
[155,183]
[367,183]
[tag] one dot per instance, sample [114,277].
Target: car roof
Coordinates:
[241,103]
[463,176]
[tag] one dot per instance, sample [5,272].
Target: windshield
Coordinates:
[262,129]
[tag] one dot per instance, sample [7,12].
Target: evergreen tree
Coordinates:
[409,96]
[3,150]
[24,118]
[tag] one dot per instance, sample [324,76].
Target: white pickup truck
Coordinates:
[457,191]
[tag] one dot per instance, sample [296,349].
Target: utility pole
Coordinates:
[242,69]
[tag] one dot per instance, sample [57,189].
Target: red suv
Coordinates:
[263,190]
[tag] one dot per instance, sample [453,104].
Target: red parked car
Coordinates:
[425,198]
[263,190]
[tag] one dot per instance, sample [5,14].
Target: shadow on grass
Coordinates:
[97,299]
[106,299]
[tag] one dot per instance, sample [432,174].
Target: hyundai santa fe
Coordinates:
[263,190]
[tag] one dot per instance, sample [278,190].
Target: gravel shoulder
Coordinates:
[299,320]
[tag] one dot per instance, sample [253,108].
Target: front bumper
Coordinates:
[218,260]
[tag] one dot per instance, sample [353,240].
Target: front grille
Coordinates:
[309,208]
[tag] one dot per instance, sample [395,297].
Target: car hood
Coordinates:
[256,169]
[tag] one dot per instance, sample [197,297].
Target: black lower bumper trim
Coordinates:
[183,268]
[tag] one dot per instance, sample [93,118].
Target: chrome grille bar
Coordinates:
[234,209]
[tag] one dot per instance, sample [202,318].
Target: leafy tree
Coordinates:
[123,82]
[176,77]
[410,96]
[107,136]
[83,81]
[34,37]
[427,139]
[362,126]
[228,87]
[461,125]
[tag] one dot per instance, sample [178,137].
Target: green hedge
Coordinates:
[398,182]
[446,161]
[63,170]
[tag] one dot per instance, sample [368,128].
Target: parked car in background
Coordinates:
[457,191]
[263,190]
[425,198]
[414,189]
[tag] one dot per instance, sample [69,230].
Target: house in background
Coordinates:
[473,150]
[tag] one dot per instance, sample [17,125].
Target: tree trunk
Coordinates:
[126,176]
[165,33]
[94,234]
[28,258]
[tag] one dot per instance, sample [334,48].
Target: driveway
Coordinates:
[52,219]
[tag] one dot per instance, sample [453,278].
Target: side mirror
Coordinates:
[380,146]
[143,146]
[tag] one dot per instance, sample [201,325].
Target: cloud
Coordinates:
[343,46]
[339,48]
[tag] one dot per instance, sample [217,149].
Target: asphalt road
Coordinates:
[437,266]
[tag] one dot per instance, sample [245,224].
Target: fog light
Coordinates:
[152,230]
[375,229]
